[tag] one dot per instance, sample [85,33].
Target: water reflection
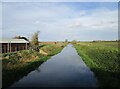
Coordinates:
[38,70]
[65,69]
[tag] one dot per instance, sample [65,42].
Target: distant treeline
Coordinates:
[81,41]
[106,41]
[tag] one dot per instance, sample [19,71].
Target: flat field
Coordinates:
[103,59]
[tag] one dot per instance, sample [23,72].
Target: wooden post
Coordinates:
[26,46]
[8,47]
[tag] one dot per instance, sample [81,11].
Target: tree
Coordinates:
[16,37]
[74,41]
[66,40]
[34,39]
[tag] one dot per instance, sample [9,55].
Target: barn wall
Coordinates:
[4,48]
[11,47]
[17,47]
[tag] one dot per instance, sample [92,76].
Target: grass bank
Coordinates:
[53,48]
[18,64]
[103,60]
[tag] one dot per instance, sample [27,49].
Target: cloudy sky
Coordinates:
[57,21]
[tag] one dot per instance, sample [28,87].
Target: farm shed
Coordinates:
[11,45]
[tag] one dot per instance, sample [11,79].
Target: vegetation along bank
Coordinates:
[16,65]
[103,60]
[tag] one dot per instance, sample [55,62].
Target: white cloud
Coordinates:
[59,22]
[99,20]
[0,20]
[60,1]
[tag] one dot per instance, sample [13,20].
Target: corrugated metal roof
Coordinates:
[13,41]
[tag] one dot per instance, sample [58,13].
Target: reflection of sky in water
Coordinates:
[64,69]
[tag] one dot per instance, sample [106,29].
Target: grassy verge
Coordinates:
[18,64]
[53,48]
[102,58]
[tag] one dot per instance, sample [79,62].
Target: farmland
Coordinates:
[101,57]
[103,60]
[16,65]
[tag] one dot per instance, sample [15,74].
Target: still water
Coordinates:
[65,69]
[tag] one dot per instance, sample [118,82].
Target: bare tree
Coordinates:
[34,39]
[66,40]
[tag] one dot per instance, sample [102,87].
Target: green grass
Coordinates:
[52,49]
[18,64]
[103,60]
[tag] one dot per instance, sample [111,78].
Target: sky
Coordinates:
[57,21]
